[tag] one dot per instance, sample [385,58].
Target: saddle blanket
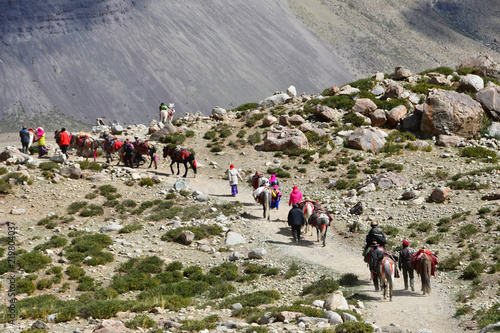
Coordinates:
[416,256]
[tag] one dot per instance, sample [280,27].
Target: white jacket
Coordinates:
[233,176]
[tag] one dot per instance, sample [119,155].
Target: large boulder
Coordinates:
[471,82]
[278,99]
[296,120]
[378,118]
[396,115]
[489,98]
[365,106]
[219,113]
[168,128]
[72,171]
[276,140]
[367,138]
[401,73]
[326,113]
[14,155]
[450,111]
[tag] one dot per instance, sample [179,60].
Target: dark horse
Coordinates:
[424,269]
[143,147]
[180,154]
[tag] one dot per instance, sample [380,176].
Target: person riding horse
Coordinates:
[376,234]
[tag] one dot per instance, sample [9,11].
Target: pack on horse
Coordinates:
[166,113]
[143,147]
[180,154]
[85,145]
[33,136]
[308,206]
[321,219]
[386,272]
[424,262]
[111,146]
[258,180]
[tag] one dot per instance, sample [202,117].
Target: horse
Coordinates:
[307,208]
[180,154]
[142,147]
[321,220]
[258,180]
[424,269]
[265,198]
[85,145]
[386,271]
[33,136]
[111,147]
[167,114]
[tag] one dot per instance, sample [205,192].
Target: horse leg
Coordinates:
[323,235]
[186,168]
[172,166]
[178,168]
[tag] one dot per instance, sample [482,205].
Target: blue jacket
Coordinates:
[25,136]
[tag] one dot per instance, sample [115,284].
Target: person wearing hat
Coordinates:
[375,234]
[25,139]
[296,220]
[64,142]
[376,254]
[295,196]
[404,263]
[233,176]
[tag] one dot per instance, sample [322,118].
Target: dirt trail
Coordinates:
[408,309]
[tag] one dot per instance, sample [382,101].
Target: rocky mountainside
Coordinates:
[68,62]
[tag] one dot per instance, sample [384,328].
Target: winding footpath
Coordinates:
[410,310]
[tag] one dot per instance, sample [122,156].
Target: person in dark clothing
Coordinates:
[404,263]
[296,220]
[25,139]
[129,153]
[375,255]
[64,142]
[376,234]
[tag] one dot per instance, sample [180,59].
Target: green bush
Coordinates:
[246,106]
[55,241]
[140,321]
[49,166]
[146,182]
[94,166]
[221,290]
[355,119]
[200,232]
[468,230]
[254,138]
[473,270]
[76,206]
[75,272]
[354,327]
[207,323]
[33,261]
[175,138]
[85,283]
[130,227]
[349,280]
[489,316]
[449,263]
[321,287]
[253,299]
[25,286]
[92,210]
[441,70]
[480,153]
[104,309]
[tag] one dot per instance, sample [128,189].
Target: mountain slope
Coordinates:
[118,59]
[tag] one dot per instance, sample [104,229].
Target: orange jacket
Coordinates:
[64,139]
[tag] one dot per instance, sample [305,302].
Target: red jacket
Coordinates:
[64,139]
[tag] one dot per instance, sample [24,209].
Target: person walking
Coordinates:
[25,139]
[404,263]
[129,153]
[64,142]
[296,220]
[295,196]
[42,150]
[375,255]
[233,176]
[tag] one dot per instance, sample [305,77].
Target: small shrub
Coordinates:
[349,280]
[25,286]
[321,287]
[85,283]
[241,133]
[47,166]
[254,138]
[480,153]
[210,135]
[130,228]
[76,206]
[221,290]
[176,138]
[146,182]
[94,166]
[354,327]
[468,230]
[140,321]
[473,271]
[44,284]
[450,263]
[75,272]
[33,261]
[293,270]
[207,323]
[92,210]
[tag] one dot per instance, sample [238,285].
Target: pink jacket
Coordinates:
[295,196]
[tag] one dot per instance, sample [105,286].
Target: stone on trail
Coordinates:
[333,317]
[111,227]
[58,158]
[257,254]
[336,301]
[393,328]
[233,238]
[111,326]
[181,184]
[19,211]
[234,256]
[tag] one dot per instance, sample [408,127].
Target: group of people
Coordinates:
[38,135]
[374,251]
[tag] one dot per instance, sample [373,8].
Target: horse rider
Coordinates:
[129,153]
[64,141]
[376,254]
[25,139]
[376,234]
[275,192]
[404,263]
[296,220]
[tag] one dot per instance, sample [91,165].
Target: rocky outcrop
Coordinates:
[451,112]
[489,98]
[284,139]
[367,138]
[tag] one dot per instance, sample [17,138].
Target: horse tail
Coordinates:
[192,161]
[266,202]
[426,268]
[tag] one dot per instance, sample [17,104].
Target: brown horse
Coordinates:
[424,269]
[84,144]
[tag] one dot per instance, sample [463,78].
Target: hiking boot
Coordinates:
[412,288]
